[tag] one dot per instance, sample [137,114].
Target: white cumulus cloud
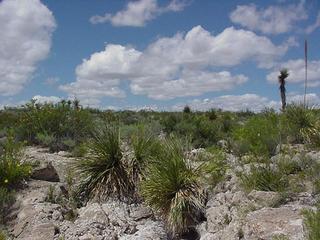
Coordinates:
[178,66]
[46,99]
[252,102]
[25,39]
[138,13]
[296,70]
[270,20]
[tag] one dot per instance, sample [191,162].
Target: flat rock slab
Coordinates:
[267,223]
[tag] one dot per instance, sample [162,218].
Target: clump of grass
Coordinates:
[172,187]
[264,178]
[312,223]
[103,172]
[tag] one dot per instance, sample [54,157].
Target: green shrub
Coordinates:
[172,187]
[264,178]
[12,170]
[312,223]
[214,167]
[259,136]
[104,171]
[51,124]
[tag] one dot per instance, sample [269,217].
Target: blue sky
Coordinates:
[159,54]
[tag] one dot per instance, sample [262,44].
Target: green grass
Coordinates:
[312,223]
[264,178]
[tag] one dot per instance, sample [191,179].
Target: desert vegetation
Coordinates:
[146,156]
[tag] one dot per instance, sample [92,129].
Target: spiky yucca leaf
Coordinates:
[172,187]
[311,135]
[104,172]
[144,145]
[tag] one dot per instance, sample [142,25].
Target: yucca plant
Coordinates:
[172,188]
[103,172]
[144,145]
[311,135]
[297,120]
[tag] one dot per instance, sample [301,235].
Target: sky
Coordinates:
[158,54]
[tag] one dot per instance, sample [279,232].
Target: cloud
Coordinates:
[250,101]
[25,39]
[51,81]
[233,103]
[170,67]
[270,20]
[296,70]
[312,99]
[45,99]
[138,13]
[314,26]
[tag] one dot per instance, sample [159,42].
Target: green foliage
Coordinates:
[259,136]
[311,134]
[187,109]
[214,167]
[51,124]
[104,172]
[312,223]
[45,139]
[80,150]
[145,146]
[172,187]
[296,120]
[12,170]
[264,178]
[280,237]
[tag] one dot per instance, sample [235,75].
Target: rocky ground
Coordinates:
[230,212]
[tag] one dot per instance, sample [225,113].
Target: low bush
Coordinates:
[52,124]
[259,136]
[172,187]
[12,169]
